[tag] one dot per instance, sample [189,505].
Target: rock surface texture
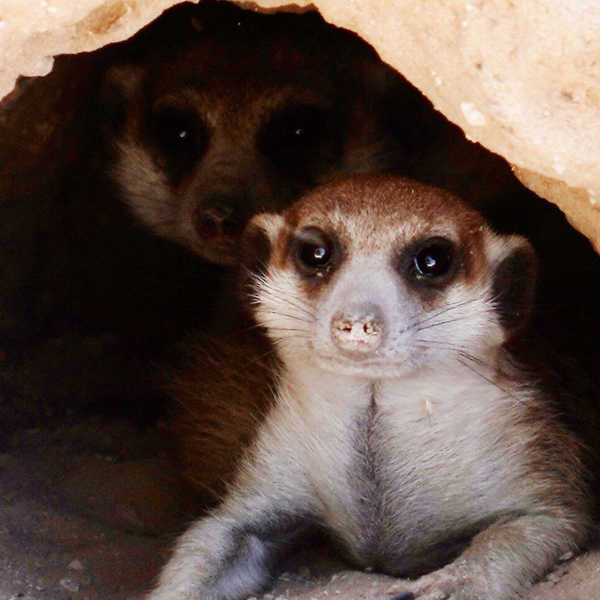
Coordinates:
[522,78]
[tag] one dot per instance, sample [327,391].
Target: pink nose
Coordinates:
[358,330]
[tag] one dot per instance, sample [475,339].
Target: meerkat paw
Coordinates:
[168,593]
[453,582]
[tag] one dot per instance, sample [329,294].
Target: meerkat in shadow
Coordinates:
[399,421]
[120,232]
[242,112]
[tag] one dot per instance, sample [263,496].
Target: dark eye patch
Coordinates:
[434,259]
[430,262]
[314,252]
[179,135]
[298,136]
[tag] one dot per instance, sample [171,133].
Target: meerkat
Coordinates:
[241,112]
[430,149]
[400,423]
[125,202]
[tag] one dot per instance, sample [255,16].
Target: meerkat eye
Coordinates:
[294,134]
[299,126]
[313,251]
[179,133]
[432,260]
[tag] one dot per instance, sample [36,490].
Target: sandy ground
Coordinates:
[87,512]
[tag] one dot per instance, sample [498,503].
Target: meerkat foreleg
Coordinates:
[232,553]
[223,557]
[500,562]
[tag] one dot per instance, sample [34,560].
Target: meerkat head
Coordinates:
[241,115]
[379,276]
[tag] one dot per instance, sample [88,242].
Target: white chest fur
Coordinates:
[400,463]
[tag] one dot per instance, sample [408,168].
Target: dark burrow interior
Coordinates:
[97,306]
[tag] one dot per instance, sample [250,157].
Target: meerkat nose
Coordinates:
[220,216]
[358,329]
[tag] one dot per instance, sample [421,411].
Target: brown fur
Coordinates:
[221,398]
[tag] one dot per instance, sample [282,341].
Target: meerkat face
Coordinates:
[244,115]
[380,276]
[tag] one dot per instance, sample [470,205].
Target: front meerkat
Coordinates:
[399,422]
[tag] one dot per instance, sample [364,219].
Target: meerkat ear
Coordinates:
[258,240]
[513,282]
[119,87]
[256,247]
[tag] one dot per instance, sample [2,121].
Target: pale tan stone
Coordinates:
[580,206]
[522,78]
[33,32]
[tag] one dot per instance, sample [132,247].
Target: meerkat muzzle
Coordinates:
[358,330]
[220,216]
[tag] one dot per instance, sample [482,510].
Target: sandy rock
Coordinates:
[32,33]
[582,207]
